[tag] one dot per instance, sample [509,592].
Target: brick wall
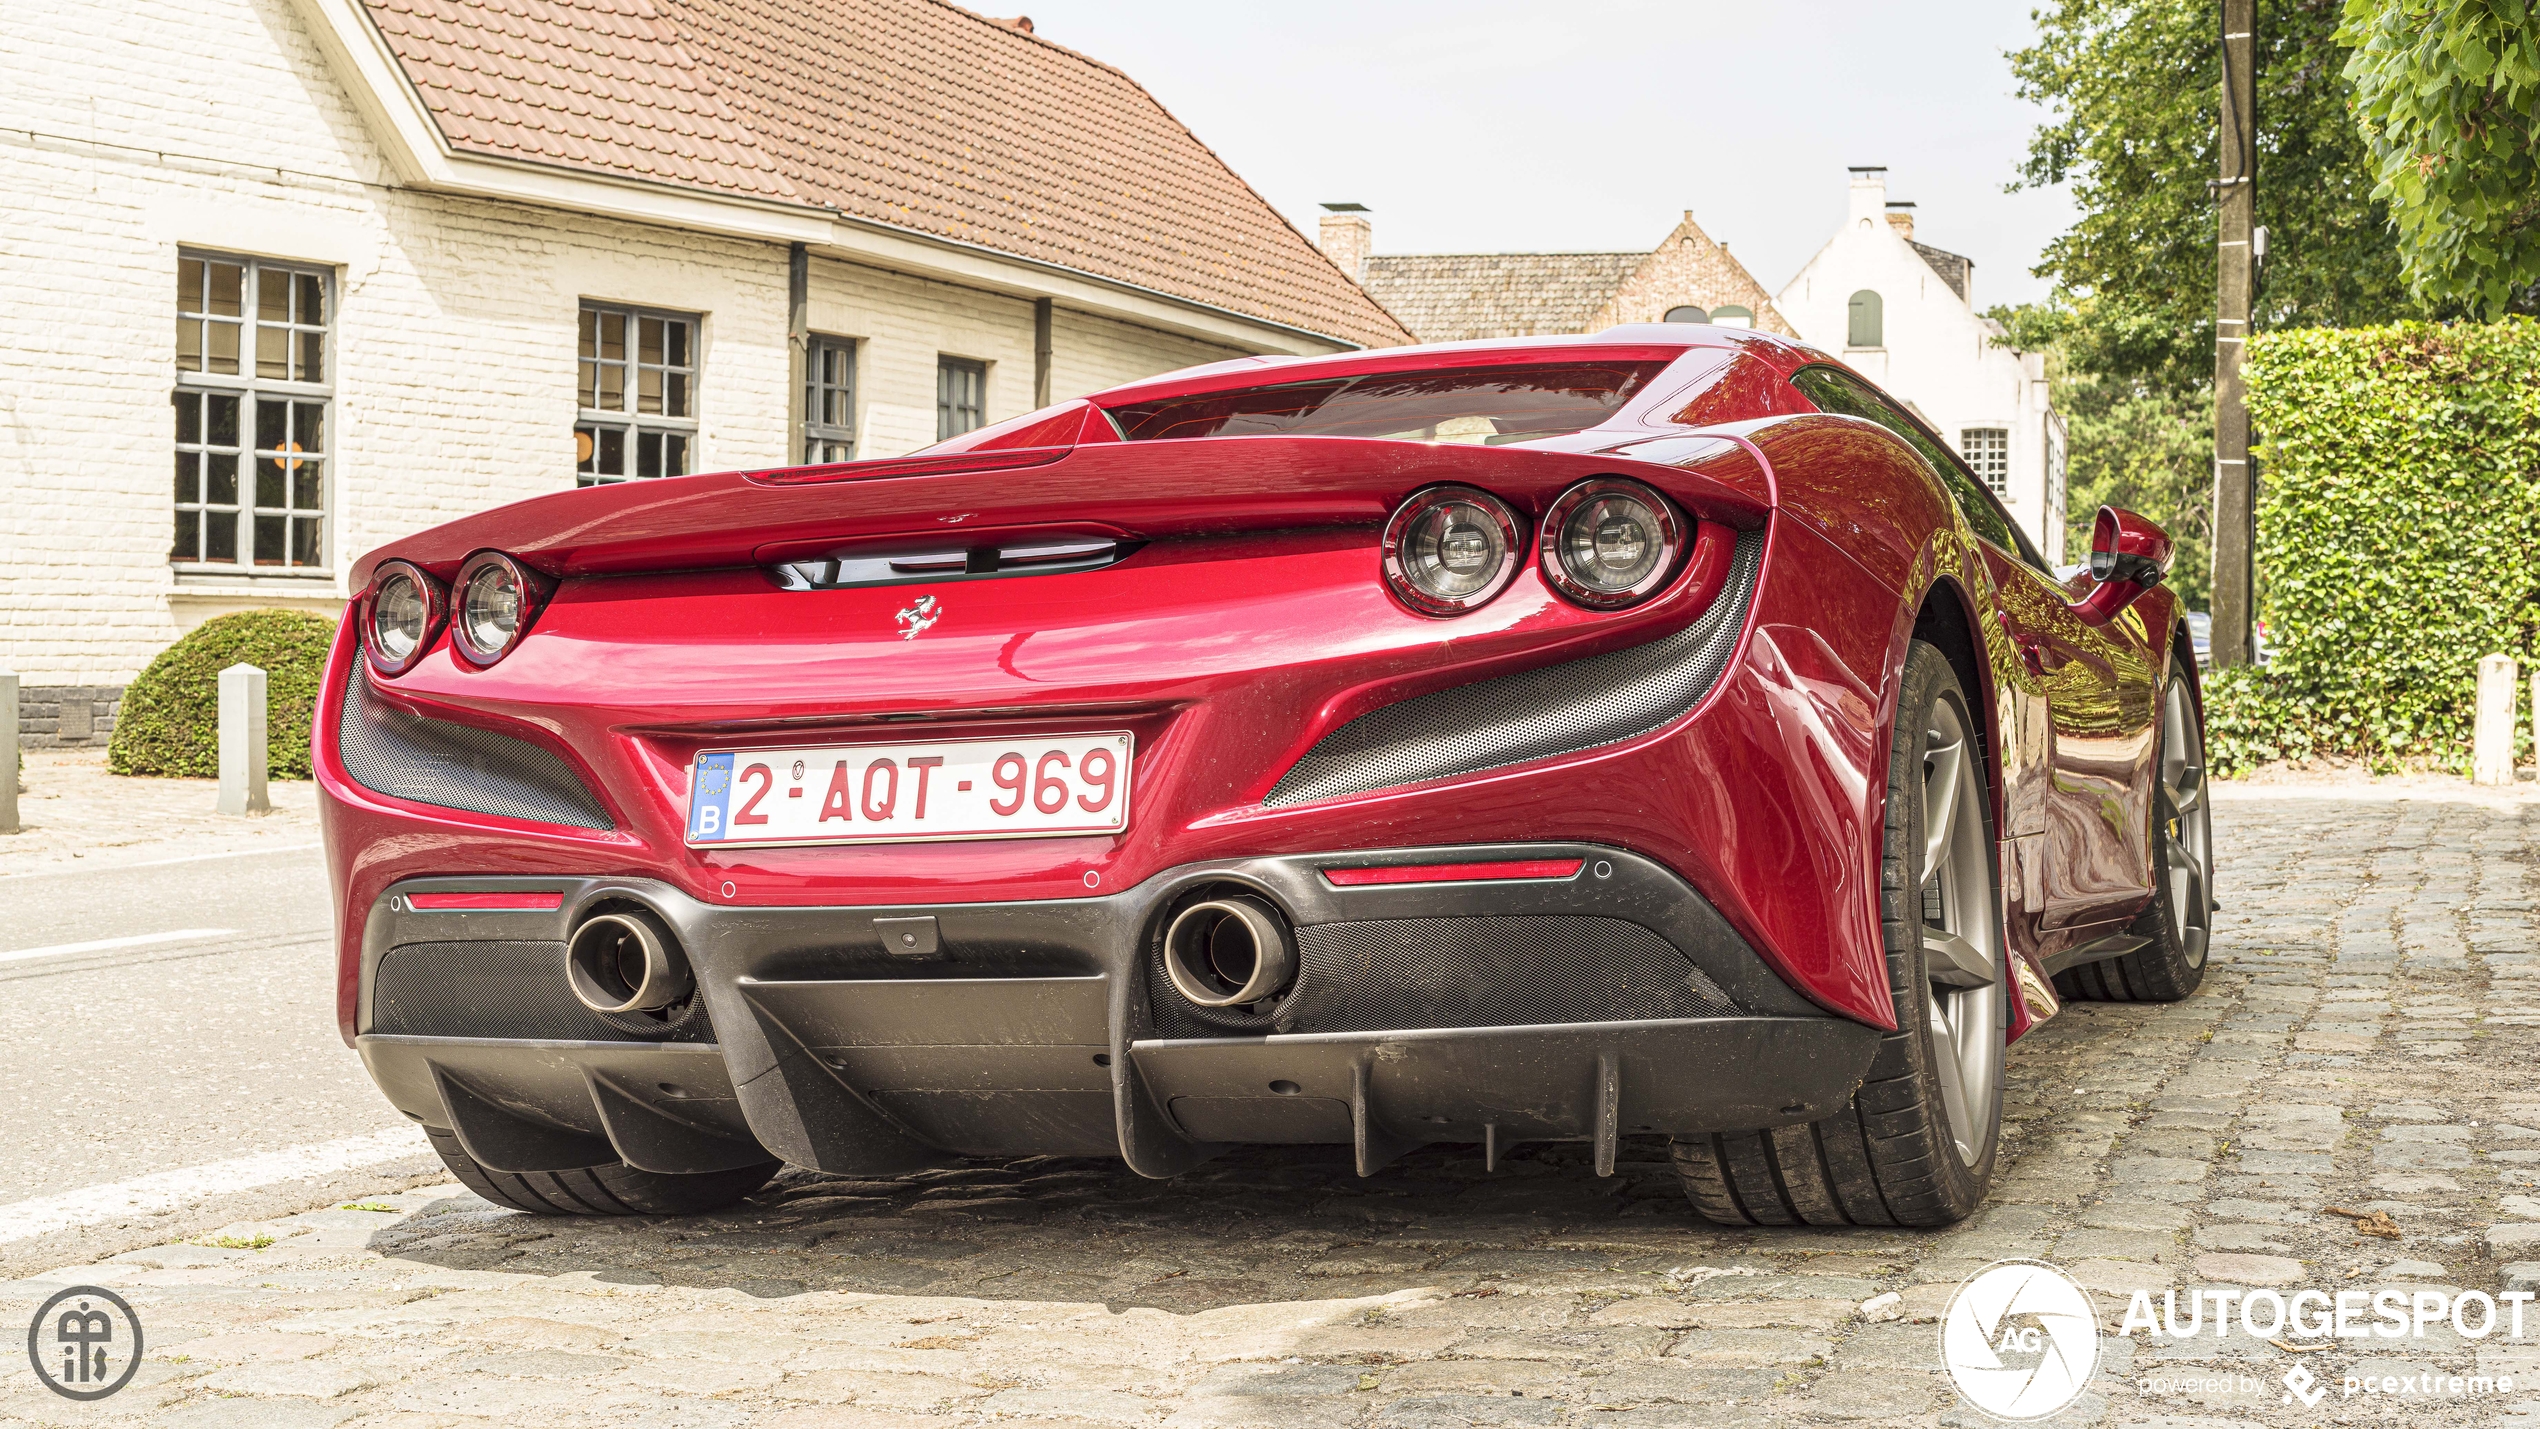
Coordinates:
[215,124]
[67,716]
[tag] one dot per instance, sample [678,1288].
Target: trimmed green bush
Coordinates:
[2398,540]
[169,721]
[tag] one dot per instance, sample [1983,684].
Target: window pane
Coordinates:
[273,421]
[227,280]
[221,342]
[220,537]
[590,334]
[189,536]
[308,541]
[677,344]
[308,426]
[273,347]
[189,345]
[269,540]
[312,357]
[612,337]
[648,340]
[586,446]
[1484,405]
[612,451]
[308,487]
[273,297]
[189,476]
[268,491]
[224,412]
[648,390]
[674,454]
[189,285]
[220,479]
[676,404]
[612,396]
[312,299]
[189,417]
[588,395]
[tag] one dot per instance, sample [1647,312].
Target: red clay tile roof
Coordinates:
[912,113]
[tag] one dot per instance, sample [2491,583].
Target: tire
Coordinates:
[2178,923]
[601,1190]
[1916,1145]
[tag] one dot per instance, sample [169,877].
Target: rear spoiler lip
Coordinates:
[726,520]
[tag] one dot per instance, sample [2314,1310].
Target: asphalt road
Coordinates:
[129,1060]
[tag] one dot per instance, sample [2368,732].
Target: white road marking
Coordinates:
[169,1190]
[107,945]
[162,862]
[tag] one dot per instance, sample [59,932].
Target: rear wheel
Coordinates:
[601,1190]
[2177,925]
[1916,1145]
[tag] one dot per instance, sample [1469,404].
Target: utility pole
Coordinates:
[2235,273]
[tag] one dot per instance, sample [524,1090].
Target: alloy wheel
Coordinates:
[2187,820]
[1962,950]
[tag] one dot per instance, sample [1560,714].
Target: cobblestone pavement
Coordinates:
[2365,1040]
[72,814]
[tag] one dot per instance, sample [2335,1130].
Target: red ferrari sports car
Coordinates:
[1655,733]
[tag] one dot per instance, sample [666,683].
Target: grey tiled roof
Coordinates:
[1951,267]
[1452,297]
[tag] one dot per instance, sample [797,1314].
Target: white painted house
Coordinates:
[1903,314]
[356,267]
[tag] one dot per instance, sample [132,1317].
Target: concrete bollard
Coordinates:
[9,743]
[242,741]
[2491,751]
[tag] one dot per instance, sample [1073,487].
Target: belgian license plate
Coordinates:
[1039,787]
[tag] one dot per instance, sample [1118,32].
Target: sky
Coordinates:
[1551,125]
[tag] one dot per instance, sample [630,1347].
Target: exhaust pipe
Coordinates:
[1229,950]
[626,961]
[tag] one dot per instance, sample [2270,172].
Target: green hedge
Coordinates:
[169,721]
[2398,540]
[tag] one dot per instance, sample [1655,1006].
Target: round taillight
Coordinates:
[1609,543]
[492,604]
[405,613]
[1449,549]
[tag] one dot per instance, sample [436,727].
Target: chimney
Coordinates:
[1900,216]
[1019,22]
[1869,195]
[1347,235]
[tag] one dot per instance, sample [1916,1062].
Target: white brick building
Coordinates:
[359,266]
[1903,313]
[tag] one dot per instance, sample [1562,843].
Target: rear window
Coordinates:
[1482,405]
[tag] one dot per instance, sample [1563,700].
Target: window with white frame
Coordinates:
[829,400]
[1988,451]
[638,397]
[252,398]
[961,396]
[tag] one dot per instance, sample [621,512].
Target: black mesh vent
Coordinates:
[457,766]
[1533,714]
[505,990]
[1498,971]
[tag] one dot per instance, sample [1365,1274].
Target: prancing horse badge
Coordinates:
[921,613]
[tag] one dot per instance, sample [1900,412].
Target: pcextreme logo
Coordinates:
[2020,1340]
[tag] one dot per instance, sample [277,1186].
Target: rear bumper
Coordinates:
[1038,1027]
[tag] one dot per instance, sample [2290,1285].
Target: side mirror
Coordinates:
[2128,556]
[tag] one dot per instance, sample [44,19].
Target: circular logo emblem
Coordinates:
[85,1343]
[2020,1339]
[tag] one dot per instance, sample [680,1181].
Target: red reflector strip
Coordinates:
[1453,872]
[530,902]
